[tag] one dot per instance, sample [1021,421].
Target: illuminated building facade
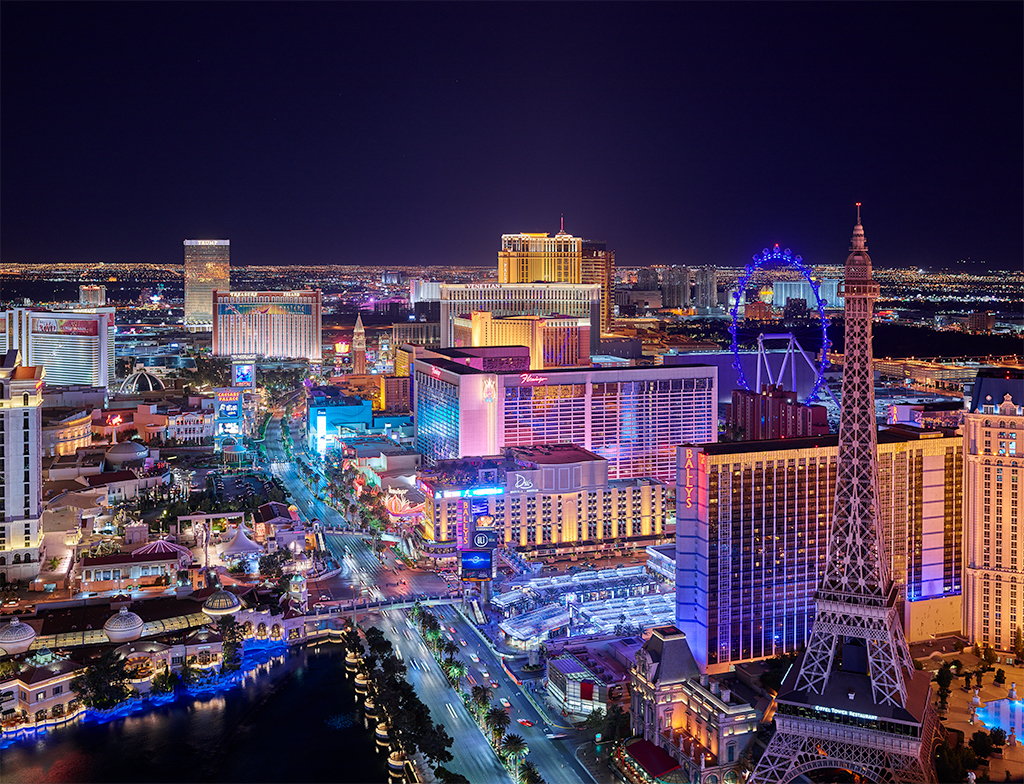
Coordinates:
[569,300]
[634,417]
[541,500]
[785,290]
[707,287]
[75,346]
[533,258]
[21,439]
[994,453]
[207,269]
[597,265]
[92,296]
[773,413]
[752,526]
[553,341]
[675,287]
[277,324]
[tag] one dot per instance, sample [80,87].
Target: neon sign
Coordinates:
[435,371]
[490,395]
[114,421]
[529,378]
[695,463]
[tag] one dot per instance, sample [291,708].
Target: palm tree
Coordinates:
[515,747]
[449,649]
[480,696]
[456,672]
[497,722]
[529,774]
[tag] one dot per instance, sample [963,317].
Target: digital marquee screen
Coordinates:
[476,565]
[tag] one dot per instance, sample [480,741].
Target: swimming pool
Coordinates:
[1004,714]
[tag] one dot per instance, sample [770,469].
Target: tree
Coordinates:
[529,774]
[1000,678]
[164,682]
[944,677]
[446,776]
[456,672]
[480,697]
[449,649]
[617,723]
[997,736]
[231,646]
[8,669]
[1018,642]
[595,720]
[105,682]
[989,655]
[514,747]
[981,744]
[497,722]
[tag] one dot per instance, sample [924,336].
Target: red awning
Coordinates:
[654,759]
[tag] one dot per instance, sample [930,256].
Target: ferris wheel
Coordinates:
[776,259]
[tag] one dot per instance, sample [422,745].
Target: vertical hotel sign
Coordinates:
[692,496]
[692,549]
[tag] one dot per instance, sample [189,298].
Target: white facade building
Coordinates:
[277,324]
[21,400]
[75,346]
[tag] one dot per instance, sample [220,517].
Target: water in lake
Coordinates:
[296,719]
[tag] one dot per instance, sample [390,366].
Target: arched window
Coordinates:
[17,558]
[24,400]
[3,561]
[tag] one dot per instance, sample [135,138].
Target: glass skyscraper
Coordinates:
[207,269]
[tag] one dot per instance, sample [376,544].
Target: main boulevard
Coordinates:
[363,574]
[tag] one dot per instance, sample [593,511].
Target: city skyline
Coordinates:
[395,134]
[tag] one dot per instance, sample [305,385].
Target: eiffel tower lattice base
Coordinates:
[801,746]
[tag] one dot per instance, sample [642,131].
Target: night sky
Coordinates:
[418,134]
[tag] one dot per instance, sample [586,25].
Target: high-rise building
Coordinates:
[853,700]
[827,291]
[92,296]
[675,287]
[635,417]
[540,500]
[647,279]
[994,450]
[75,346]
[359,347]
[276,324]
[21,400]
[773,413]
[207,269]
[748,590]
[540,258]
[981,321]
[707,287]
[598,266]
[424,290]
[573,300]
[553,341]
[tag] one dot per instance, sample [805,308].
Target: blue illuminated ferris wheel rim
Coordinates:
[775,258]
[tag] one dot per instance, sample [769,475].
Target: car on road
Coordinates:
[494,684]
[474,657]
[325,598]
[463,643]
[556,736]
[505,703]
[485,674]
[526,722]
[451,629]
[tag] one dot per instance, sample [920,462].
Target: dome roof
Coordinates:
[233,448]
[142,381]
[126,452]
[123,625]
[222,603]
[163,547]
[16,637]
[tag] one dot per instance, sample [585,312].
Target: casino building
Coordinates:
[207,269]
[634,417]
[273,324]
[541,500]
[75,346]
[752,523]
[569,300]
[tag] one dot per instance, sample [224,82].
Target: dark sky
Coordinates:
[389,133]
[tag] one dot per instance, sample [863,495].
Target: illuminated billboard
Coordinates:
[243,374]
[258,309]
[485,538]
[65,326]
[228,411]
[476,565]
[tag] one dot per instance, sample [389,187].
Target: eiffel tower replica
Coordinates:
[853,701]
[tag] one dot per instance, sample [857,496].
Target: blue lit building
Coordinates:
[752,527]
[333,416]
